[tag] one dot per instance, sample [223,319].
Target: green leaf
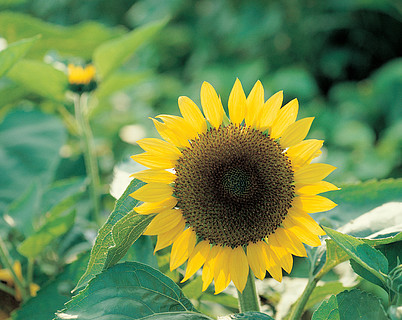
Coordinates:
[351,305]
[125,232]
[105,239]
[10,94]
[79,40]
[354,200]
[52,295]
[364,273]
[118,81]
[14,52]
[323,291]
[334,255]
[251,315]
[177,316]
[368,257]
[20,212]
[61,190]
[328,310]
[52,229]
[30,144]
[112,54]
[129,290]
[40,78]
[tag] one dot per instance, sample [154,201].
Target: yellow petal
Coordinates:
[281,253]
[237,103]
[303,219]
[192,114]
[170,134]
[286,116]
[182,248]
[155,175]
[296,132]
[255,101]
[302,233]
[153,161]
[167,238]
[221,270]
[197,258]
[164,221]
[211,104]
[208,269]
[274,262]
[291,243]
[156,207]
[313,172]
[314,188]
[270,111]
[257,258]
[238,268]
[303,152]
[160,147]
[153,192]
[312,203]
[178,125]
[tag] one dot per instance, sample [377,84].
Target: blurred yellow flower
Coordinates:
[79,75]
[233,193]
[6,276]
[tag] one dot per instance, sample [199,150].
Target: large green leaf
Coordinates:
[251,315]
[40,78]
[130,290]
[79,40]
[14,52]
[105,241]
[112,54]
[351,305]
[29,150]
[368,257]
[354,200]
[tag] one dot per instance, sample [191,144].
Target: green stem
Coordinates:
[5,260]
[298,309]
[5,288]
[87,141]
[30,271]
[248,299]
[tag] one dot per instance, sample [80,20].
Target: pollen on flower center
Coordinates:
[234,185]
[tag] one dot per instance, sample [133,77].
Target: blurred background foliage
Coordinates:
[340,58]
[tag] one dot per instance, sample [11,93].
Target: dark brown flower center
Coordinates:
[234,185]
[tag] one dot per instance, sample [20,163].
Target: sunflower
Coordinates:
[233,193]
[81,79]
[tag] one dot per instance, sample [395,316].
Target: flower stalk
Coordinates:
[298,309]
[248,299]
[87,142]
